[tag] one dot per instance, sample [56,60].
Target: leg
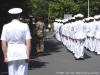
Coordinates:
[22,67]
[12,68]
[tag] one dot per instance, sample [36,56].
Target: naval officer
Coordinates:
[16,44]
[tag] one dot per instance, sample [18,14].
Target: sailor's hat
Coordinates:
[15,11]
[79,15]
[96,17]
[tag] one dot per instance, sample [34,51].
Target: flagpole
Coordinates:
[88,8]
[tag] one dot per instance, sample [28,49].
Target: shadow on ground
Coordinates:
[50,46]
[86,55]
[36,64]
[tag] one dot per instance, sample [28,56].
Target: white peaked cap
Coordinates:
[63,20]
[87,19]
[57,19]
[98,16]
[84,19]
[15,11]
[75,15]
[66,19]
[91,18]
[80,15]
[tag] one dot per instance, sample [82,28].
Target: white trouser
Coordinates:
[86,43]
[97,47]
[91,44]
[79,49]
[19,67]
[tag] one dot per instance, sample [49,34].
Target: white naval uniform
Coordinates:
[63,29]
[72,47]
[91,32]
[15,34]
[67,33]
[58,34]
[79,36]
[97,37]
[86,31]
[56,30]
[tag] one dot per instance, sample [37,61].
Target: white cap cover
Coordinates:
[79,15]
[96,16]
[15,11]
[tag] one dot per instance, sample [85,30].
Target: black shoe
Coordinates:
[79,58]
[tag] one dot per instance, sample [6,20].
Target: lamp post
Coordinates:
[88,8]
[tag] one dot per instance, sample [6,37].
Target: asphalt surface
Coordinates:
[58,61]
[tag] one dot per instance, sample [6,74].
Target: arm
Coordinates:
[28,44]
[4,49]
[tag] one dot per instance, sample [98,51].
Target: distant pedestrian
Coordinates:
[40,34]
[49,27]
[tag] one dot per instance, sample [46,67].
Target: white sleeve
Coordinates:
[3,35]
[28,34]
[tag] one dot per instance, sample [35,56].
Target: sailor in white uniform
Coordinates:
[71,32]
[56,29]
[61,31]
[97,34]
[79,37]
[86,22]
[16,44]
[67,34]
[91,28]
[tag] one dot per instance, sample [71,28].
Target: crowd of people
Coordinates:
[78,34]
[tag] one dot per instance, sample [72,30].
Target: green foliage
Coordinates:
[94,7]
[38,8]
[58,8]
[51,9]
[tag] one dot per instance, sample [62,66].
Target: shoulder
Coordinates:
[5,26]
[24,24]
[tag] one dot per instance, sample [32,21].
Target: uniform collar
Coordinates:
[15,20]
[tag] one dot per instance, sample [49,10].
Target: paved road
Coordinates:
[58,61]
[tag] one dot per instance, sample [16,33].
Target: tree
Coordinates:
[94,7]
[38,8]
[58,8]
[50,9]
